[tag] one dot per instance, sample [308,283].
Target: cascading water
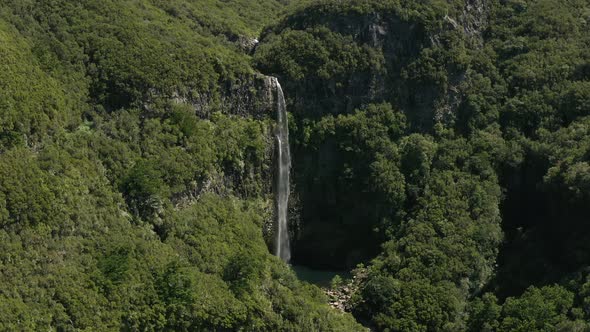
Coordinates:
[283,247]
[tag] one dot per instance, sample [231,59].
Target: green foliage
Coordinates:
[130,198]
[537,310]
[143,188]
[314,54]
[32,102]
[447,246]
[367,51]
[484,313]
[27,198]
[127,53]
[493,146]
[446,144]
[336,282]
[519,123]
[349,152]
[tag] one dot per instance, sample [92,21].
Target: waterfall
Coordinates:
[283,247]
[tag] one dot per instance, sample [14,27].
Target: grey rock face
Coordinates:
[246,97]
[400,44]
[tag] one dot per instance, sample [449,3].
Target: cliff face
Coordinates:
[475,18]
[248,96]
[333,60]
[372,55]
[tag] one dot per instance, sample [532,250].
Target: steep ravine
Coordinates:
[333,224]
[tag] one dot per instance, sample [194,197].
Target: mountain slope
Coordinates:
[133,187]
[443,145]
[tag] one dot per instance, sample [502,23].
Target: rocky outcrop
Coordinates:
[247,96]
[475,19]
[341,295]
[247,44]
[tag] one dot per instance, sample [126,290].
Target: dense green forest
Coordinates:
[133,189]
[441,152]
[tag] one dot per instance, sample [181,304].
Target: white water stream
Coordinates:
[283,247]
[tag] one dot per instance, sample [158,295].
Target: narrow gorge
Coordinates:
[422,166]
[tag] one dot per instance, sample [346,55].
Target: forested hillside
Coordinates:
[450,140]
[134,171]
[441,150]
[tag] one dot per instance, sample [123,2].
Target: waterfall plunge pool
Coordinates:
[321,278]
